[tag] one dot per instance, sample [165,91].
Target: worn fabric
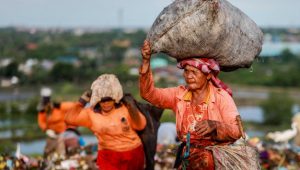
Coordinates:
[127,160]
[238,157]
[54,145]
[219,107]
[106,85]
[207,66]
[55,120]
[115,131]
[192,115]
[200,159]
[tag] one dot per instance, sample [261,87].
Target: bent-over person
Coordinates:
[114,123]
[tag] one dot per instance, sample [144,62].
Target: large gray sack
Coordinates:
[206,28]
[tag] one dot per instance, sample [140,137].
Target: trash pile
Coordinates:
[273,156]
[165,156]
[81,159]
[9,162]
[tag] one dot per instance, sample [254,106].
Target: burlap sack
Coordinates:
[206,28]
[106,85]
[238,157]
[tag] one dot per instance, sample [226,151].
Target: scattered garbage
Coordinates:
[271,156]
[83,159]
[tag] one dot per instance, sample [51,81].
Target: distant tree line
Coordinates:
[279,70]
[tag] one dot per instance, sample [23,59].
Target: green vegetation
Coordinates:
[168,116]
[277,110]
[65,49]
[279,71]
[7,147]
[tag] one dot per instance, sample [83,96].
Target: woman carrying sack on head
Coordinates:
[206,114]
[114,122]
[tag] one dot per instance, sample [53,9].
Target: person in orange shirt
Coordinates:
[114,120]
[51,120]
[205,112]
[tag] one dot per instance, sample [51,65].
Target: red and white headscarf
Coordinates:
[206,66]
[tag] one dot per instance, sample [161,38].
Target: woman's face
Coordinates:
[194,78]
[107,106]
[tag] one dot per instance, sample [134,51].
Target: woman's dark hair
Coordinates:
[56,105]
[74,130]
[105,99]
[97,107]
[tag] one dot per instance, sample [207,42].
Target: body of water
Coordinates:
[251,113]
[37,146]
[271,49]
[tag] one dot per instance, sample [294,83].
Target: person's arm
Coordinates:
[55,117]
[229,129]
[160,97]
[66,106]
[138,122]
[137,119]
[77,115]
[42,120]
[43,107]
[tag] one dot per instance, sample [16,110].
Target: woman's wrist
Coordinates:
[146,57]
[145,66]
[146,61]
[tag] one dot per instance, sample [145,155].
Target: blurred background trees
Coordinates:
[277,109]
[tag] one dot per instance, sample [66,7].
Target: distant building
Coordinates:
[47,64]
[5,62]
[121,43]
[158,63]
[31,46]
[170,73]
[26,67]
[73,60]
[132,57]
[7,82]
[90,53]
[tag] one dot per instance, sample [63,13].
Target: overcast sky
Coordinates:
[129,13]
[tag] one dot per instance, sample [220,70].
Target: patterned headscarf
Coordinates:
[206,66]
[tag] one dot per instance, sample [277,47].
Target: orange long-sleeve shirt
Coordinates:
[55,120]
[221,106]
[115,131]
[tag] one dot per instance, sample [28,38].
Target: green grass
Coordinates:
[168,116]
